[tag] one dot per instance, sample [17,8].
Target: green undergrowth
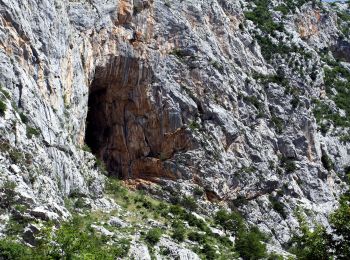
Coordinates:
[74,239]
[3,96]
[344,22]
[172,218]
[318,243]
[337,83]
[15,155]
[77,239]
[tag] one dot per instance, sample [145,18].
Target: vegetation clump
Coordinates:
[153,236]
[278,206]
[2,108]
[337,78]
[179,231]
[288,164]
[249,244]
[317,243]
[31,131]
[74,239]
[262,17]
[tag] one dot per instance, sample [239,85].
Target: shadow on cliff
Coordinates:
[128,128]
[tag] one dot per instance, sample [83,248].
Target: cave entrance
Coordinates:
[96,130]
[118,127]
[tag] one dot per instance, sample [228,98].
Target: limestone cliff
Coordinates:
[175,97]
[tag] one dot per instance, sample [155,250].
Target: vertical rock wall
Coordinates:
[167,95]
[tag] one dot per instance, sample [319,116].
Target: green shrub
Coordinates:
[340,223]
[31,131]
[327,162]
[197,237]
[239,201]
[345,138]
[283,9]
[177,210]
[249,246]
[189,203]
[231,221]
[195,222]
[162,209]
[217,65]
[21,208]
[318,243]
[14,251]
[275,256]
[74,239]
[262,17]
[224,240]
[8,188]
[2,108]
[179,231]
[164,251]
[254,101]
[5,93]
[15,227]
[277,206]
[114,186]
[209,251]
[23,117]
[153,236]
[86,148]
[100,165]
[194,125]
[336,77]
[178,53]
[16,156]
[347,174]
[197,191]
[81,203]
[288,164]
[278,124]
[310,244]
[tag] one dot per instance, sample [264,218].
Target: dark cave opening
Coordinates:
[129,127]
[94,121]
[116,123]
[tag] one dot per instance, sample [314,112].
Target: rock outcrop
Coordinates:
[172,96]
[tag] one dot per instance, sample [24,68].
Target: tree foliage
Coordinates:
[318,243]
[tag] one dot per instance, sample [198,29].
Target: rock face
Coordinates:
[167,93]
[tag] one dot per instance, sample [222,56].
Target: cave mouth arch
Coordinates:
[118,125]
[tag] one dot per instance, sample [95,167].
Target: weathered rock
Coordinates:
[117,222]
[44,214]
[102,230]
[139,251]
[166,93]
[29,234]
[176,251]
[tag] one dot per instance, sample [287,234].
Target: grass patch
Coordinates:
[31,131]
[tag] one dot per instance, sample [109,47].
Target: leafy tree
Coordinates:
[13,250]
[229,221]
[318,244]
[311,244]
[340,222]
[179,231]
[2,108]
[153,236]
[249,246]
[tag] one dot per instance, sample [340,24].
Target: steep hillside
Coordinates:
[210,104]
